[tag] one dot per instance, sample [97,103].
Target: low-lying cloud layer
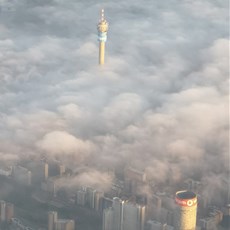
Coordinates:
[160,102]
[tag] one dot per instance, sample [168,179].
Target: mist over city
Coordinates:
[152,120]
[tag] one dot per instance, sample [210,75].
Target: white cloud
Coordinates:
[163,91]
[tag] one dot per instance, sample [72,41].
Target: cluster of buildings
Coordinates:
[59,224]
[32,173]
[124,215]
[90,198]
[123,207]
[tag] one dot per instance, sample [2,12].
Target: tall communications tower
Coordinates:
[102,28]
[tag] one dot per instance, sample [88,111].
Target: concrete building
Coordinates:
[133,216]
[97,200]
[193,185]
[216,214]
[102,28]
[155,205]
[186,211]
[207,224]
[155,225]
[39,170]
[81,197]
[59,224]
[134,180]
[90,197]
[118,205]
[108,219]
[9,211]
[61,169]
[2,210]
[63,224]
[21,175]
[52,220]
[226,210]
[6,171]
[49,186]
[124,215]
[105,203]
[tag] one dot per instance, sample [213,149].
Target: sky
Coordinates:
[159,104]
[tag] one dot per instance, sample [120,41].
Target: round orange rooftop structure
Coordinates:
[186,210]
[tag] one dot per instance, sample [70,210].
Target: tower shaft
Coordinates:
[101,53]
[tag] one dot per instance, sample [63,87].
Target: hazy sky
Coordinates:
[160,103]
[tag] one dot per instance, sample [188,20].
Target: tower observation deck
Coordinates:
[102,28]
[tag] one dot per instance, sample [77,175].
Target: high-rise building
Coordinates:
[97,200]
[105,203]
[90,197]
[61,169]
[21,175]
[186,211]
[102,28]
[52,220]
[133,216]
[9,211]
[134,180]
[39,170]
[155,225]
[2,210]
[124,215]
[118,213]
[63,224]
[108,219]
[155,205]
[81,197]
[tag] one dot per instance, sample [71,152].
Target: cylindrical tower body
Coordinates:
[186,210]
[102,53]
[102,28]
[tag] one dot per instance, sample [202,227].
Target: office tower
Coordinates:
[118,213]
[105,203]
[134,180]
[2,210]
[61,169]
[39,170]
[90,196]
[108,219]
[22,175]
[124,215]
[81,197]
[45,169]
[97,200]
[102,28]
[185,215]
[52,220]
[133,216]
[155,225]
[9,212]
[155,207]
[63,224]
